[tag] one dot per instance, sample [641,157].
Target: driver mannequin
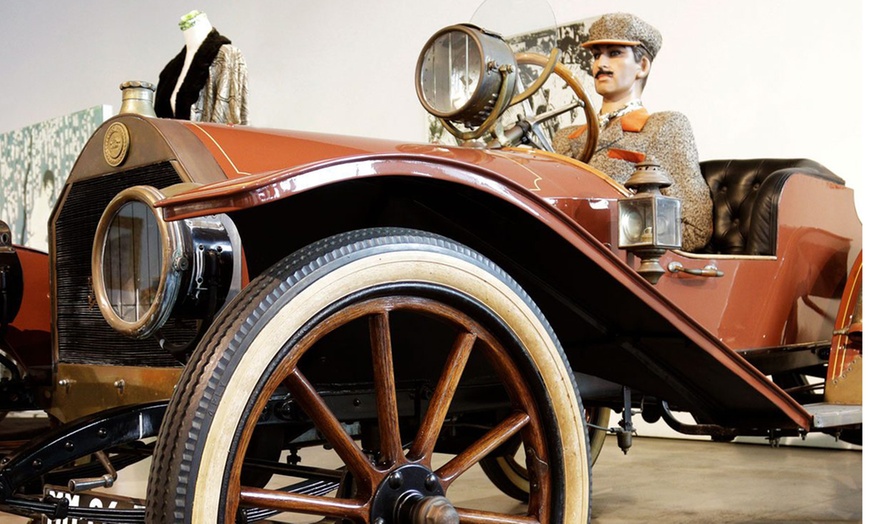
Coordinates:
[207,81]
[623,47]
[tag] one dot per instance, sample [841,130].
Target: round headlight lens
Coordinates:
[450,71]
[134,269]
[132,261]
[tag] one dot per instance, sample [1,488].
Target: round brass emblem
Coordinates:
[116,143]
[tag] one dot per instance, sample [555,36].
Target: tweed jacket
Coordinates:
[215,88]
[666,136]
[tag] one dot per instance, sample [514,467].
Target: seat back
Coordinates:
[746,198]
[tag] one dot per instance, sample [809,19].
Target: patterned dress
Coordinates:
[666,136]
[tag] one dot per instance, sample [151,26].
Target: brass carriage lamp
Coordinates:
[649,222]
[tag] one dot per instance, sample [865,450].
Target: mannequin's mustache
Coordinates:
[603,72]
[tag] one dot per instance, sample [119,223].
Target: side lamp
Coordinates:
[649,222]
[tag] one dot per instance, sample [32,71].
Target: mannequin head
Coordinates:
[196,27]
[623,47]
[192,19]
[620,72]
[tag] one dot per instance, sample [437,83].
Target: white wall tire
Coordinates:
[259,343]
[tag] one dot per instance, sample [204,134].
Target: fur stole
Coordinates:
[194,81]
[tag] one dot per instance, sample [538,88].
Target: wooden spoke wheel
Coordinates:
[508,472]
[383,314]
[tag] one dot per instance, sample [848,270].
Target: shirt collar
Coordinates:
[605,119]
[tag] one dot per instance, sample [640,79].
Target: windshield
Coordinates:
[527,25]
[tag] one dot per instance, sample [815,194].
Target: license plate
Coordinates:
[89,499]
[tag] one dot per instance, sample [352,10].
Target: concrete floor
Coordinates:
[682,481]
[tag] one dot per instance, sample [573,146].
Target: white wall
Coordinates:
[756,77]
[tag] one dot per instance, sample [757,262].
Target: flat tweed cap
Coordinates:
[624,29]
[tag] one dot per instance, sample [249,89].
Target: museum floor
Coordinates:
[680,481]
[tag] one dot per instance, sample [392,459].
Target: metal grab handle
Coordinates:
[709,270]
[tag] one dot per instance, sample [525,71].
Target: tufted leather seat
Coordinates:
[745,199]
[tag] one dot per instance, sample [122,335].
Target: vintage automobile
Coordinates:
[311,325]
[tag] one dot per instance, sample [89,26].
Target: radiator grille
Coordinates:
[83,335]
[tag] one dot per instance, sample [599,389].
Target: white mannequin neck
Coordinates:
[194,35]
[195,31]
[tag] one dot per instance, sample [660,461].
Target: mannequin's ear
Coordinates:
[645,66]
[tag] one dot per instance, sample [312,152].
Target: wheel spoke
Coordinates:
[297,503]
[486,444]
[427,435]
[473,516]
[385,389]
[331,428]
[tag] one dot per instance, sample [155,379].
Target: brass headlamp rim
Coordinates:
[170,276]
[496,57]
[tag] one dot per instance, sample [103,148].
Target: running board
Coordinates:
[826,415]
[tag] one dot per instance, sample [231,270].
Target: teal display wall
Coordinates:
[34,163]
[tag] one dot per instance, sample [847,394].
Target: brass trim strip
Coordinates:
[600,174]
[220,148]
[538,177]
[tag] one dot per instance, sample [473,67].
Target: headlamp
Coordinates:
[466,76]
[145,270]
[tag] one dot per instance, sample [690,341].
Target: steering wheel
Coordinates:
[550,66]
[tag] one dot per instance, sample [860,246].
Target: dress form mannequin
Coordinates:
[195,27]
[207,81]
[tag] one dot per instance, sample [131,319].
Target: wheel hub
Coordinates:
[412,494]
